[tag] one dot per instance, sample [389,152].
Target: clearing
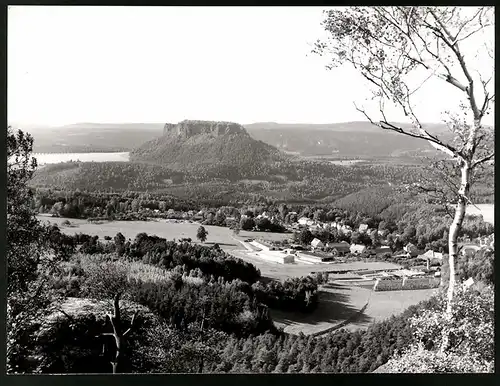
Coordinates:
[161,228]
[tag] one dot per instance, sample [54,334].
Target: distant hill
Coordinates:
[343,140]
[191,145]
[335,140]
[92,137]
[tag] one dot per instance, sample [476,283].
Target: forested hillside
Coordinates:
[193,144]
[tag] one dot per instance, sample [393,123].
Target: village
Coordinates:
[425,265]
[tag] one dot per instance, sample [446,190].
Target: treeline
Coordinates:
[84,204]
[225,184]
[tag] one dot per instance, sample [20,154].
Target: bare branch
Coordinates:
[456,50]
[455,39]
[483,160]
[66,314]
[487,97]
[366,115]
[131,324]
[116,305]
[448,149]
[473,32]
[105,334]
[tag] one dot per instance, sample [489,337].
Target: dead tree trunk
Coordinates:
[200,368]
[117,334]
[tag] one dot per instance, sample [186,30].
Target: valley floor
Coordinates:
[340,305]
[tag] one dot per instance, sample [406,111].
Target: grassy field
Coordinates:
[340,302]
[337,303]
[220,235]
[384,304]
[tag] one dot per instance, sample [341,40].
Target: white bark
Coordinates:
[455,227]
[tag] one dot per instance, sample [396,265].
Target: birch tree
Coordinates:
[398,50]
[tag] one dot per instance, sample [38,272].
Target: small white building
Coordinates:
[363,228]
[305,221]
[431,255]
[357,248]
[264,246]
[317,243]
[315,228]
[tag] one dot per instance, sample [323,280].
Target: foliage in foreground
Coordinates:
[471,332]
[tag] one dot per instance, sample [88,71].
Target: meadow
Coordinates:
[161,228]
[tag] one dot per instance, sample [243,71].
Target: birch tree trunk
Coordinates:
[455,228]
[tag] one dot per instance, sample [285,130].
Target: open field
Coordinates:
[486,210]
[169,230]
[336,303]
[339,302]
[384,304]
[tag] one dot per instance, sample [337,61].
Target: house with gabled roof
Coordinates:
[357,248]
[340,249]
[317,243]
[363,228]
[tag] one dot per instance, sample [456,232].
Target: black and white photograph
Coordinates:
[250,189]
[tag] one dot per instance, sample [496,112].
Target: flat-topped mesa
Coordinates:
[188,128]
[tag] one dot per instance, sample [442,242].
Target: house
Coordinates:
[315,228]
[363,228]
[430,255]
[317,243]
[305,221]
[357,248]
[315,257]
[383,250]
[411,249]
[407,273]
[264,246]
[340,248]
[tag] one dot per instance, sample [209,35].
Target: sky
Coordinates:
[165,64]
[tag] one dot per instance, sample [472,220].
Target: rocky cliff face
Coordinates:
[188,128]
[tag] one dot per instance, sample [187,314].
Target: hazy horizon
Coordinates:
[35,125]
[167,64]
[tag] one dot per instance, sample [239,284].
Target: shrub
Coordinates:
[388,285]
[421,283]
[419,360]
